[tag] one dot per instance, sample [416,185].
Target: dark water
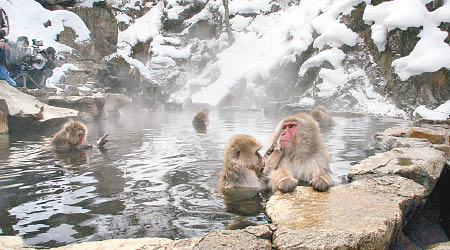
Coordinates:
[158,177]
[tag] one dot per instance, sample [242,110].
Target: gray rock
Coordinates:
[422,164]
[90,107]
[440,246]
[28,113]
[12,243]
[365,214]
[387,143]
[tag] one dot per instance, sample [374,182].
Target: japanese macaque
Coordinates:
[226,101]
[242,164]
[323,117]
[135,74]
[200,120]
[73,136]
[297,155]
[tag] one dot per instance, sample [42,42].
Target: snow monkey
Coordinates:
[323,117]
[242,163]
[135,74]
[297,154]
[200,120]
[73,136]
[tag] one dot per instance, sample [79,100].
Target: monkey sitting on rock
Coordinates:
[297,155]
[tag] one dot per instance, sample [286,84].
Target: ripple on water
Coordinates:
[157,178]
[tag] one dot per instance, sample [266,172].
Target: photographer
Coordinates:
[20,55]
[4,60]
[4,49]
[43,64]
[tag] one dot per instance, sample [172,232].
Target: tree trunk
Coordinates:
[227,20]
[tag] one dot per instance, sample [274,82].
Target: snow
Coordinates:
[263,42]
[440,113]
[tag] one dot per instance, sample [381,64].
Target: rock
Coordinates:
[257,237]
[28,113]
[114,102]
[3,117]
[90,107]
[273,107]
[422,164]
[433,136]
[387,143]
[365,214]
[440,246]
[13,243]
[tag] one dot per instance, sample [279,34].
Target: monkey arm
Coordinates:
[102,141]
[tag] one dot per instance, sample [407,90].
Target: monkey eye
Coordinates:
[291,125]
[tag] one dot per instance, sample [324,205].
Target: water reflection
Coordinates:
[159,178]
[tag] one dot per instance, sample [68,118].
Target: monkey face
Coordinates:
[77,131]
[287,136]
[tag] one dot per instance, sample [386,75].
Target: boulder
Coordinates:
[440,246]
[421,164]
[28,113]
[387,143]
[365,214]
[256,237]
[13,243]
[114,102]
[90,107]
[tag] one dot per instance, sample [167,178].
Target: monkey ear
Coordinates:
[237,154]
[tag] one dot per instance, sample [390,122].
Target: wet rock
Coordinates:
[114,102]
[3,117]
[440,246]
[365,214]
[28,113]
[256,237]
[387,143]
[422,164]
[90,107]
[435,136]
[13,243]
[248,238]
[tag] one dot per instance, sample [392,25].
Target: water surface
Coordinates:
[157,178]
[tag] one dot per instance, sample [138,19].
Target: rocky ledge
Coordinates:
[385,193]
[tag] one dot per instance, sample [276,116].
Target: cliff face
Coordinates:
[198,30]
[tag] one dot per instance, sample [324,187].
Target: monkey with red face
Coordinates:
[297,154]
[73,136]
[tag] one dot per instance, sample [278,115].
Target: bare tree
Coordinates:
[227,20]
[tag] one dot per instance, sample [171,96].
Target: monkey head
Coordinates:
[76,131]
[242,150]
[297,133]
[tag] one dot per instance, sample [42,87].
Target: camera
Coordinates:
[37,42]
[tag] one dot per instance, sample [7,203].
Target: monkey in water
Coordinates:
[242,164]
[73,136]
[297,154]
[323,117]
[200,120]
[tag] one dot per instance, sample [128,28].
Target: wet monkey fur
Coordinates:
[200,120]
[323,117]
[242,163]
[73,136]
[296,155]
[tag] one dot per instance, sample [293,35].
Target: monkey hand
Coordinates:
[287,185]
[320,182]
[102,141]
[84,146]
[274,159]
